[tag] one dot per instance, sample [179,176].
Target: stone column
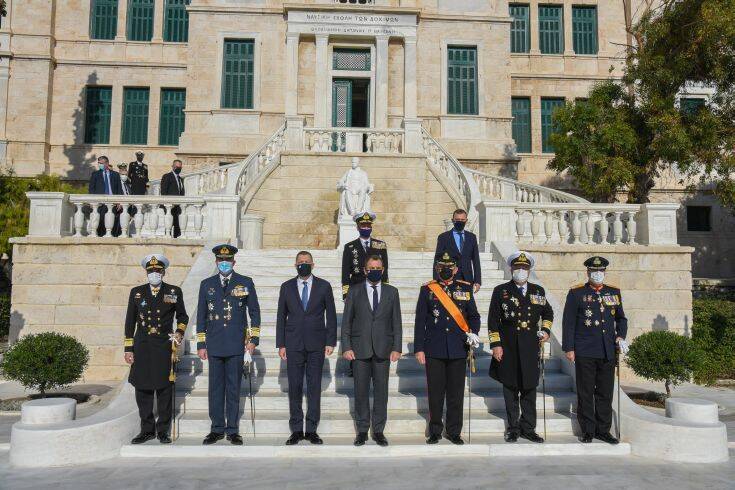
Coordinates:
[411,123]
[116,111]
[122,20]
[154,113]
[322,81]
[533,26]
[567,25]
[294,123]
[381,82]
[157,21]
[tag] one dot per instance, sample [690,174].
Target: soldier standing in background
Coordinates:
[138,175]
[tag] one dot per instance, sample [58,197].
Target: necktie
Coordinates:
[366,245]
[305,295]
[461,241]
[225,282]
[107,184]
[178,183]
[375,298]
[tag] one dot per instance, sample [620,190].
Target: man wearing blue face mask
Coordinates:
[594,322]
[225,300]
[462,246]
[356,251]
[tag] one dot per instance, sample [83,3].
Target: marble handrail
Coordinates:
[258,164]
[354,140]
[495,187]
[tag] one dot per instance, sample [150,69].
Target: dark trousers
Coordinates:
[176,212]
[145,399]
[595,384]
[225,377]
[520,408]
[365,370]
[445,380]
[298,363]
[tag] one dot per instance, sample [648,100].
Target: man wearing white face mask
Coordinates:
[594,322]
[149,331]
[519,321]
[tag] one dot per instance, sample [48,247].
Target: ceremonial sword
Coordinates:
[617,361]
[172,379]
[542,365]
[471,365]
[247,371]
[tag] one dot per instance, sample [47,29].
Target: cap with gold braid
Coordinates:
[154,262]
[521,258]
[364,218]
[596,263]
[224,251]
[447,260]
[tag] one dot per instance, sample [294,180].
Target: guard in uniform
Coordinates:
[519,321]
[356,251]
[149,332]
[594,322]
[225,301]
[138,175]
[447,323]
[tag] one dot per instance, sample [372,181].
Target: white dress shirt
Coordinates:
[365,244]
[300,285]
[369,288]
[222,279]
[523,288]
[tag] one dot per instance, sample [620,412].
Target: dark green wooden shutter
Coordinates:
[103,19]
[237,74]
[520,32]
[462,80]
[140,20]
[171,125]
[97,110]
[135,116]
[548,105]
[521,110]
[584,29]
[551,29]
[690,105]
[176,21]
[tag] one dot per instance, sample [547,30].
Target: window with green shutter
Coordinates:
[551,29]
[462,80]
[176,21]
[690,105]
[548,105]
[521,111]
[171,125]
[97,110]
[584,29]
[140,20]
[520,32]
[135,116]
[237,74]
[103,19]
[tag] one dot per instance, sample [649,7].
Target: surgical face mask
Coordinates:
[520,275]
[124,178]
[596,277]
[304,270]
[365,232]
[101,166]
[155,278]
[177,170]
[375,275]
[224,267]
[459,225]
[446,273]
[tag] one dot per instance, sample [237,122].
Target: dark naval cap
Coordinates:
[364,218]
[224,251]
[596,263]
[447,260]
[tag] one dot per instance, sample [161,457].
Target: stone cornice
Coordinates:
[372,9]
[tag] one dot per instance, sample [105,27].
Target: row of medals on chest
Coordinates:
[590,299]
[237,292]
[522,324]
[167,298]
[458,295]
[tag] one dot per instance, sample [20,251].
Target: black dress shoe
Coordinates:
[361,439]
[235,439]
[143,437]
[455,440]
[212,437]
[380,439]
[433,439]
[295,438]
[313,438]
[532,436]
[511,436]
[607,437]
[585,438]
[164,438]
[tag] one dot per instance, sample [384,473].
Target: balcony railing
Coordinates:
[354,140]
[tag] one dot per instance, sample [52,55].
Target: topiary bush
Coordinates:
[4,315]
[45,361]
[663,356]
[713,332]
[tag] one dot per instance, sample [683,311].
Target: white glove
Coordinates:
[624,347]
[540,334]
[247,358]
[173,338]
[473,340]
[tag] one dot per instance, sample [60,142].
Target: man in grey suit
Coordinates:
[371,337]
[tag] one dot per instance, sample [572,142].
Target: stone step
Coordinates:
[261,446]
[482,402]
[415,382]
[408,296]
[334,270]
[404,422]
[333,254]
[409,282]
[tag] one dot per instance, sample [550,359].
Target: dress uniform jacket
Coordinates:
[436,333]
[353,262]
[138,174]
[513,323]
[592,321]
[148,323]
[222,322]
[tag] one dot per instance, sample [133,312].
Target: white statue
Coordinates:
[356,189]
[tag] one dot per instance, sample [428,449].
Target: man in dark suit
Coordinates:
[105,181]
[462,246]
[371,338]
[306,332]
[173,185]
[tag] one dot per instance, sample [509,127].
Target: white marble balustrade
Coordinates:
[264,158]
[494,187]
[354,140]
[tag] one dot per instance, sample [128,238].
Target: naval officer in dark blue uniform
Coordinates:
[594,322]
[222,335]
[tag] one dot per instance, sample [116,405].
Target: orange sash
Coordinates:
[449,305]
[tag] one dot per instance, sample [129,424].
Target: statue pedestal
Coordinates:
[347,231]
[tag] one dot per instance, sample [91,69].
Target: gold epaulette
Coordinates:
[577,286]
[430,282]
[378,244]
[345,288]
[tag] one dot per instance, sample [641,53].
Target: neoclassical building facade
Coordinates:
[208,81]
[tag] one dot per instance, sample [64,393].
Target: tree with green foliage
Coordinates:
[663,356]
